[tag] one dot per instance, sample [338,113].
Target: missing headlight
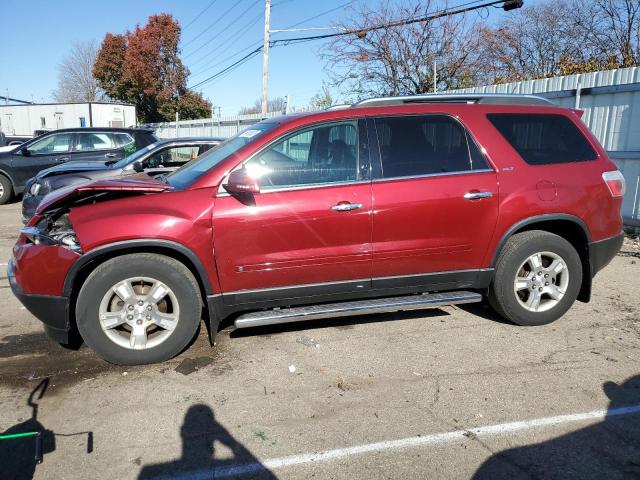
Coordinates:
[50,231]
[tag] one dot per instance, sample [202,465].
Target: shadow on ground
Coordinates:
[608,450]
[18,456]
[208,451]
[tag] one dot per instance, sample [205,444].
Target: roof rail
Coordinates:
[486,99]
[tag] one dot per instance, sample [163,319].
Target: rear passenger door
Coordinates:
[435,201]
[98,146]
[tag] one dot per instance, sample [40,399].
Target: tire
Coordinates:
[6,190]
[152,318]
[535,299]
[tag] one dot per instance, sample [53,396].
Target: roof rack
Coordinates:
[486,99]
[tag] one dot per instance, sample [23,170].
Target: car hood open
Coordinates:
[122,186]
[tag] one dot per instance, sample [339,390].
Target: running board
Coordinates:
[360,307]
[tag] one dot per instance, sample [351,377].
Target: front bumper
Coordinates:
[51,310]
[603,251]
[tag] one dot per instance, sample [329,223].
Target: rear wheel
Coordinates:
[537,279]
[139,308]
[6,190]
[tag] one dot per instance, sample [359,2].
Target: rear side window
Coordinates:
[426,145]
[87,142]
[543,139]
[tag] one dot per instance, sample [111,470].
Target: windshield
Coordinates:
[134,156]
[194,169]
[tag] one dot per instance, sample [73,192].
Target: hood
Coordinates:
[104,189]
[8,148]
[71,167]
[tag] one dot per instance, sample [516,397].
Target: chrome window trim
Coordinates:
[429,175]
[457,119]
[224,193]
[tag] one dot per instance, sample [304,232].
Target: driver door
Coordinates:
[308,231]
[45,152]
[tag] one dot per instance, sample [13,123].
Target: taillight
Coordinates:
[615,182]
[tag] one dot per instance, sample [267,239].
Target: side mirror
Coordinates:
[25,151]
[138,166]
[241,182]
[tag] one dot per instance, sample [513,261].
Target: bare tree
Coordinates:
[274,105]
[619,32]
[541,40]
[75,78]
[321,100]
[400,60]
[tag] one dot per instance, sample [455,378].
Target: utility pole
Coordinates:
[435,77]
[265,57]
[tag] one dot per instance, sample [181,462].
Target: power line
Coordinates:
[242,30]
[235,4]
[322,14]
[198,16]
[235,20]
[228,41]
[463,8]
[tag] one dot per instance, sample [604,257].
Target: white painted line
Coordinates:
[411,442]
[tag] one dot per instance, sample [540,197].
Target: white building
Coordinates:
[24,119]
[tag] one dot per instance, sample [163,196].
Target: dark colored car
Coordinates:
[391,204]
[158,158]
[59,146]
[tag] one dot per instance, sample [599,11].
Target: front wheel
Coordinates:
[538,277]
[138,309]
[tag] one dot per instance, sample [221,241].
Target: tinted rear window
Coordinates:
[542,139]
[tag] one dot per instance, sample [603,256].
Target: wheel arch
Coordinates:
[87,263]
[4,173]
[571,228]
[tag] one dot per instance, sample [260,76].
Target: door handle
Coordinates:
[477,195]
[346,207]
[62,159]
[110,155]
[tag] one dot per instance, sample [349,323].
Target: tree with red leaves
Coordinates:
[143,67]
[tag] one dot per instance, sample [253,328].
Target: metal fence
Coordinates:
[208,127]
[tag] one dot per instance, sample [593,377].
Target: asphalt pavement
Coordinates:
[447,393]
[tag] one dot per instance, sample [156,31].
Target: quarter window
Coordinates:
[320,155]
[426,145]
[58,143]
[86,142]
[122,139]
[543,139]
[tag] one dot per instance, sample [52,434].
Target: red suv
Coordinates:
[389,204]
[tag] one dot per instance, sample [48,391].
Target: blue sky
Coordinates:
[38,33]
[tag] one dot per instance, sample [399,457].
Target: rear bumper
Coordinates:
[52,311]
[603,251]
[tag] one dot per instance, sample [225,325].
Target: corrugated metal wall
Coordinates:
[611,103]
